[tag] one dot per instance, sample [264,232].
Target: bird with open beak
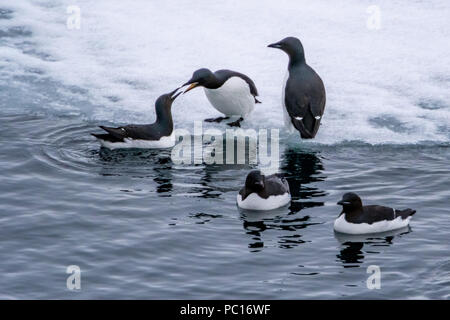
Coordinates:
[159,134]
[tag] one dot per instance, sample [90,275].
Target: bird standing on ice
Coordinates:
[231,93]
[358,219]
[303,95]
[147,136]
[264,193]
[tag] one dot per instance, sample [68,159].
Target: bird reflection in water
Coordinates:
[218,179]
[140,163]
[301,169]
[351,253]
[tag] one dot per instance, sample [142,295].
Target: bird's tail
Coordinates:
[405,213]
[300,126]
[106,137]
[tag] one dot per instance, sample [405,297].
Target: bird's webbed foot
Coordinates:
[236,123]
[219,119]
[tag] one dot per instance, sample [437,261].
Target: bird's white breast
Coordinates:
[255,202]
[343,226]
[233,98]
[162,143]
[287,119]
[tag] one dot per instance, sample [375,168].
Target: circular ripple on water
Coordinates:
[69,146]
[66,146]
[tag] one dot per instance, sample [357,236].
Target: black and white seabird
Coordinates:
[264,193]
[358,219]
[303,95]
[147,136]
[230,92]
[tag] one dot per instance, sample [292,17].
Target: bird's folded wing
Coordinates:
[379,213]
[297,108]
[118,133]
[296,105]
[317,106]
[130,132]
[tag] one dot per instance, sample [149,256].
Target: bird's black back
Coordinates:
[374,213]
[275,185]
[224,75]
[305,97]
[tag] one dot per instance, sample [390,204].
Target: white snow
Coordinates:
[135,51]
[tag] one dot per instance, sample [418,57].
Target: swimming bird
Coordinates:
[230,92]
[358,219]
[303,96]
[264,192]
[147,136]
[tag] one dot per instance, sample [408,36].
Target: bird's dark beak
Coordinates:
[276,45]
[191,83]
[343,203]
[173,95]
[192,86]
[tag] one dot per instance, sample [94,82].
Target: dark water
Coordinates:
[140,226]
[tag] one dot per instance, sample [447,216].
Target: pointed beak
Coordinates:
[192,86]
[343,203]
[276,45]
[173,95]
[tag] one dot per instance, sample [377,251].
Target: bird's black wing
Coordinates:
[283,181]
[317,104]
[277,184]
[226,74]
[137,132]
[107,137]
[404,213]
[377,213]
[305,102]
[112,135]
[297,105]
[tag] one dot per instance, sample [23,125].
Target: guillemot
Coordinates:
[303,95]
[147,136]
[264,192]
[358,219]
[230,92]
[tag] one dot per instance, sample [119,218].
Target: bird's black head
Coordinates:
[350,201]
[255,181]
[292,46]
[167,99]
[202,77]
